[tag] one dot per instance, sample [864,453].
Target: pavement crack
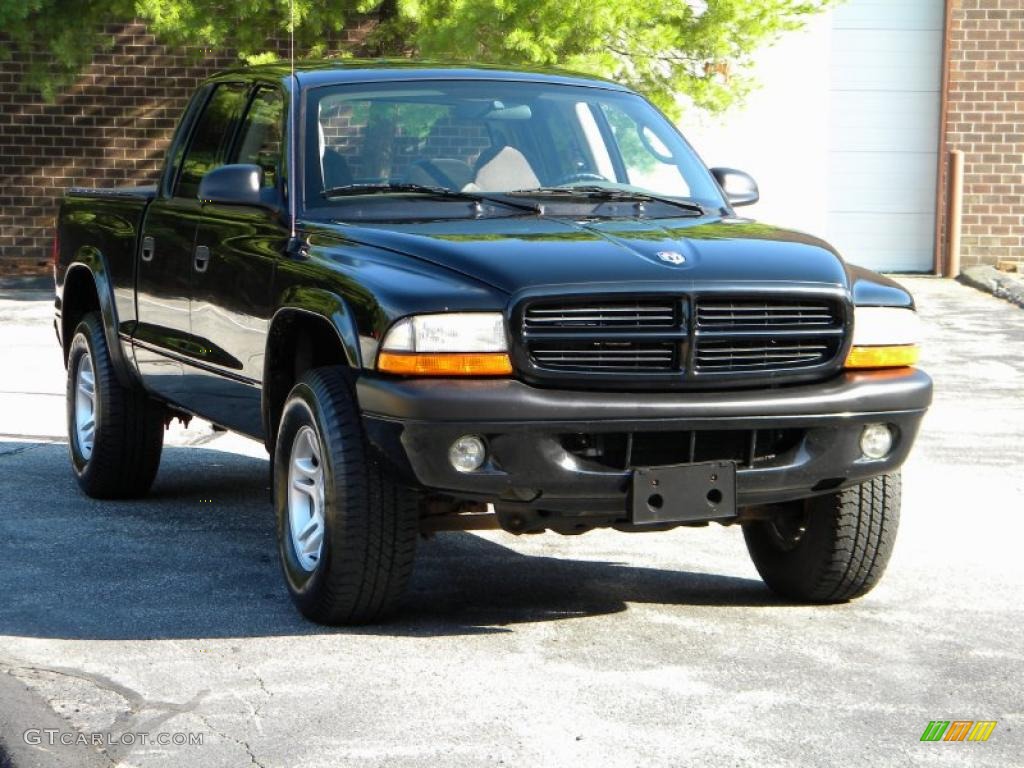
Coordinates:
[224,735]
[266,692]
[133,718]
[252,757]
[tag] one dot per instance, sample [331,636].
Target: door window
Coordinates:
[649,162]
[262,134]
[211,137]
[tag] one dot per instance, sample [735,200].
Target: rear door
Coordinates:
[236,252]
[163,337]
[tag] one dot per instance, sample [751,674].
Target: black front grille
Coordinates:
[680,341]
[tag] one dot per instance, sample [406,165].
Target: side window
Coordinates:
[261,134]
[649,163]
[211,137]
[180,140]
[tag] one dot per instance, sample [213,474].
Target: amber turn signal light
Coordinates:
[883,357]
[445,364]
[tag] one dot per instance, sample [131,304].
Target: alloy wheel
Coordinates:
[306,498]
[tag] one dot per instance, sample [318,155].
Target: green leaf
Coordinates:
[695,52]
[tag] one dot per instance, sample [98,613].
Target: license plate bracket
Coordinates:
[684,493]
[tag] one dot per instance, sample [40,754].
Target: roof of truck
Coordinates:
[312,74]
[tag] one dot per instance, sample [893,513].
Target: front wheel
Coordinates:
[346,531]
[828,549]
[115,433]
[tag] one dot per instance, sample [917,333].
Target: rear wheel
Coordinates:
[115,433]
[828,549]
[346,530]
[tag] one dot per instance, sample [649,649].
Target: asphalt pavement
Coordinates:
[127,623]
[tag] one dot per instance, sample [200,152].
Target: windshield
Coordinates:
[494,137]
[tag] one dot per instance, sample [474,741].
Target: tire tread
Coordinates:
[844,552]
[373,550]
[129,435]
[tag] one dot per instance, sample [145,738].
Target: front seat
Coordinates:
[440,172]
[335,169]
[502,169]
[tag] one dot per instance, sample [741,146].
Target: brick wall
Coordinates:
[986,121]
[111,127]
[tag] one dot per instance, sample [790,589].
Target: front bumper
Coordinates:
[413,423]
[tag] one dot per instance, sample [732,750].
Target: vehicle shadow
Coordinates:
[197,559]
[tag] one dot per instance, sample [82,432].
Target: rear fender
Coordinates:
[89,264]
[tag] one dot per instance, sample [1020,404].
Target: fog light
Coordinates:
[468,453]
[876,441]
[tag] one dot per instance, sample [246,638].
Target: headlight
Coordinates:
[450,344]
[884,337]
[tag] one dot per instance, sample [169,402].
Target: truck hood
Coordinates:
[519,253]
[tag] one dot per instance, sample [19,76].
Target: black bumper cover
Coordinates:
[413,423]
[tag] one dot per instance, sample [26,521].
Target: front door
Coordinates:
[236,253]
[163,336]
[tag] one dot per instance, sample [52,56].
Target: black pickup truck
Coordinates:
[455,298]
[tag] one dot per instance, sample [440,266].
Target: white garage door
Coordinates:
[883,125]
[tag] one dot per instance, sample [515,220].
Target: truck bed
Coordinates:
[146,191]
[100,228]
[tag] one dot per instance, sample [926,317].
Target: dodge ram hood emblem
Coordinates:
[672,257]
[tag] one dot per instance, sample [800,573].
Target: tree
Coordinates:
[700,50]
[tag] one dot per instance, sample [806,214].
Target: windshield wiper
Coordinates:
[425,189]
[611,193]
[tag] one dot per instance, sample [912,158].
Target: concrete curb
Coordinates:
[26,288]
[20,710]
[999,284]
[37,283]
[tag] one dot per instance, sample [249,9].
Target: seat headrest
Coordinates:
[503,169]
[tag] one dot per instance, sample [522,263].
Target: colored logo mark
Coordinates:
[958,730]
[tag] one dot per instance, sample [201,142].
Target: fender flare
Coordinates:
[90,259]
[323,305]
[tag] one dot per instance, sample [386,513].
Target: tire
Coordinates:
[832,548]
[119,456]
[358,570]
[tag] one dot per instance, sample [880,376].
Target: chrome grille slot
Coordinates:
[612,314]
[623,356]
[761,354]
[736,315]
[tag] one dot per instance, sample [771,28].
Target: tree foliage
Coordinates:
[701,50]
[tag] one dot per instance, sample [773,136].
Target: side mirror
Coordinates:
[739,187]
[240,184]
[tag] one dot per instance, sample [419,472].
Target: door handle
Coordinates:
[148,248]
[201,258]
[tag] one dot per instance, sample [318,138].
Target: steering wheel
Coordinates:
[572,178]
